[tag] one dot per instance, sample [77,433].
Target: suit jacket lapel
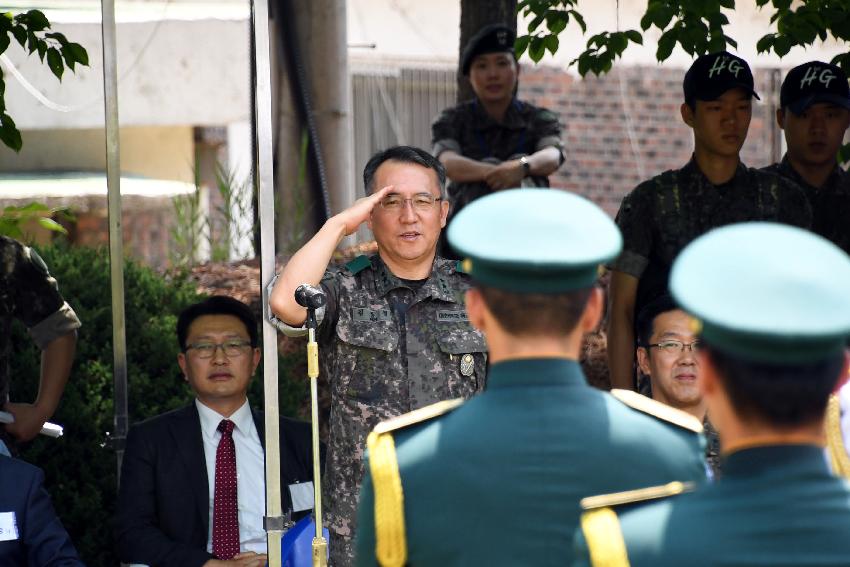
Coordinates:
[186,430]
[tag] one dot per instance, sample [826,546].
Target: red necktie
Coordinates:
[225,540]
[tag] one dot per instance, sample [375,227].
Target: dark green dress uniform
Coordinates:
[28,293]
[830,203]
[775,506]
[497,480]
[765,293]
[387,346]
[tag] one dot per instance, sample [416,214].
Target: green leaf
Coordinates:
[844,154]
[665,15]
[765,43]
[54,61]
[32,42]
[557,20]
[42,49]
[536,49]
[79,52]
[728,4]
[521,44]
[9,133]
[51,225]
[551,43]
[666,43]
[5,40]
[579,20]
[66,55]
[20,33]
[32,207]
[37,21]
[782,46]
[634,36]
[58,37]
[535,23]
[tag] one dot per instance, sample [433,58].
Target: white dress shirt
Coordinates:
[250,473]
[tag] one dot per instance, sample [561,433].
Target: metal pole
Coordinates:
[116,249]
[275,523]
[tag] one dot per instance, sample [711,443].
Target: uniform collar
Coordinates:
[786,169]
[535,372]
[437,285]
[513,115]
[692,168]
[758,461]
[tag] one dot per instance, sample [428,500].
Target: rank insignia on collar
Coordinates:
[467,365]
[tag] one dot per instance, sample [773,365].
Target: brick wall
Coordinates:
[625,127]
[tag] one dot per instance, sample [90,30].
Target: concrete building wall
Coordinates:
[158,152]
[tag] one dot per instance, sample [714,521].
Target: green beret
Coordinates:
[534,240]
[766,292]
[495,38]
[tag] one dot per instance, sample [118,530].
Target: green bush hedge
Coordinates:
[80,471]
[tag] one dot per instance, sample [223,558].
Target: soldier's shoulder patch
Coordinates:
[359,264]
[463,266]
[635,496]
[418,416]
[658,410]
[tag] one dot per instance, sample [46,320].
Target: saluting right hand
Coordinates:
[359,212]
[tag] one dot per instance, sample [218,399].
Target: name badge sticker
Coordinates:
[370,315]
[302,496]
[444,315]
[8,526]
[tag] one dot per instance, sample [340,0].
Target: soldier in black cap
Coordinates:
[815,113]
[661,215]
[494,141]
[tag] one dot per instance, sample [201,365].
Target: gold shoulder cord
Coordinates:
[604,539]
[390,540]
[836,447]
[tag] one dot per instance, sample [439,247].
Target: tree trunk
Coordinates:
[475,14]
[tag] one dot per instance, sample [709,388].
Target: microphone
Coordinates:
[309,296]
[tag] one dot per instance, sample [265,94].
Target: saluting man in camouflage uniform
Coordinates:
[814,113]
[495,140]
[394,335]
[662,215]
[28,293]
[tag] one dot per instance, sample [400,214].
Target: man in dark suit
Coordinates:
[192,489]
[31,534]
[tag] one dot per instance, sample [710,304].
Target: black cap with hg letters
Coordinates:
[712,75]
[811,83]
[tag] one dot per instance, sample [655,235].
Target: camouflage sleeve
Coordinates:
[37,301]
[546,129]
[331,285]
[444,133]
[634,221]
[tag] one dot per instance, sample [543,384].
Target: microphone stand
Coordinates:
[320,544]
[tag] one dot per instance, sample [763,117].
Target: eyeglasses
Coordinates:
[675,347]
[420,201]
[231,349]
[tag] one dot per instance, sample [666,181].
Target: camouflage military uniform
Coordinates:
[830,203]
[468,130]
[28,293]
[387,347]
[662,215]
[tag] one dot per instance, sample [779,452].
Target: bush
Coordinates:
[80,471]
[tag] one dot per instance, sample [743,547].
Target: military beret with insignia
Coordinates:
[766,292]
[495,38]
[534,240]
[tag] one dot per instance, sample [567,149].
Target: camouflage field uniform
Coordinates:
[28,293]
[662,215]
[387,347]
[468,130]
[830,203]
